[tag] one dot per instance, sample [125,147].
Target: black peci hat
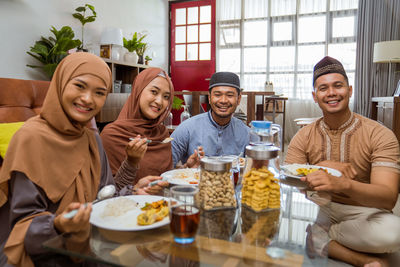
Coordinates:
[328,65]
[225,79]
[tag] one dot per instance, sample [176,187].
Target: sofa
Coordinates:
[21,99]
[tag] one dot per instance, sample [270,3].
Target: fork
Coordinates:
[165,141]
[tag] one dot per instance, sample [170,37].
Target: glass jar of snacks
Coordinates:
[261,190]
[216,186]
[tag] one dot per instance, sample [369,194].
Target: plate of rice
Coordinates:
[120,213]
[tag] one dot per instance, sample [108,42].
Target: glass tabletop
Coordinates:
[293,235]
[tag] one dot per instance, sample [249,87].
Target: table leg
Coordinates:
[250,107]
[195,103]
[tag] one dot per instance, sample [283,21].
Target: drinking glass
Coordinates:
[184,213]
[235,168]
[185,114]
[168,120]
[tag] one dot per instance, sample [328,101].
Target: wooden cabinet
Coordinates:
[386,110]
[125,72]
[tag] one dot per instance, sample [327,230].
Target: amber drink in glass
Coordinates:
[184,213]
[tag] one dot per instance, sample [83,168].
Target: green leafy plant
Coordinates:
[134,43]
[147,58]
[177,103]
[50,51]
[81,16]
[142,47]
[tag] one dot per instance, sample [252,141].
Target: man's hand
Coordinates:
[136,149]
[322,181]
[143,188]
[346,169]
[194,159]
[75,224]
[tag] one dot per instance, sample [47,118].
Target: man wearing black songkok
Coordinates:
[216,132]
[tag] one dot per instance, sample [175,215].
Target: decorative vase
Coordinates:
[115,53]
[131,57]
[140,61]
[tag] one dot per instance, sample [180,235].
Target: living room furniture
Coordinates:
[386,110]
[21,99]
[124,71]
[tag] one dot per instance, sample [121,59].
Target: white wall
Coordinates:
[22,22]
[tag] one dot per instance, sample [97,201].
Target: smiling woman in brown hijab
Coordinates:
[147,106]
[54,164]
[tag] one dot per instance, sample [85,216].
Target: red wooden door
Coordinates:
[192,45]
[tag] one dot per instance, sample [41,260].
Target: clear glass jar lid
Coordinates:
[216,164]
[262,152]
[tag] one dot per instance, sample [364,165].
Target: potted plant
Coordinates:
[177,103]
[141,49]
[81,16]
[50,51]
[147,59]
[132,45]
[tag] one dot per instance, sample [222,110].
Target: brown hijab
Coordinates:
[58,155]
[131,122]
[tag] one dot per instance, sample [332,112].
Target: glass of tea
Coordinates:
[184,213]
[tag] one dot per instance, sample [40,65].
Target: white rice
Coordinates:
[118,207]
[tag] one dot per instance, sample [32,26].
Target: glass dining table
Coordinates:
[294,235]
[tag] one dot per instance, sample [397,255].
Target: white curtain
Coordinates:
[280,41]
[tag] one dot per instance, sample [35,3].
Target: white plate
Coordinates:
[291,170]
[182,176]
[128,220]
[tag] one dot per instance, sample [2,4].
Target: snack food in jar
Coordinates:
[216,186]
[261,189]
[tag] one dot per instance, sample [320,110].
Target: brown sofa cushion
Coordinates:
[21,99]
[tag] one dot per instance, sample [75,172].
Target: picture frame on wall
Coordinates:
[397,92]
[105,51]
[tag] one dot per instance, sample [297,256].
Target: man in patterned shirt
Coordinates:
[367,154]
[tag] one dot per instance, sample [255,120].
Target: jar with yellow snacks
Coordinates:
[261,189]
[216,186]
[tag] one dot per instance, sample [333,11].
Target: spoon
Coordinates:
[165,141]
[104,193]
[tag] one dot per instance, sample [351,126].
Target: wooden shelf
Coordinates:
[126,72]
[386,110]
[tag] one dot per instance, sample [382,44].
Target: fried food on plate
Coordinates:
[153,212]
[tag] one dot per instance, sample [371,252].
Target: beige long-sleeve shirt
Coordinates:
[364,143]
